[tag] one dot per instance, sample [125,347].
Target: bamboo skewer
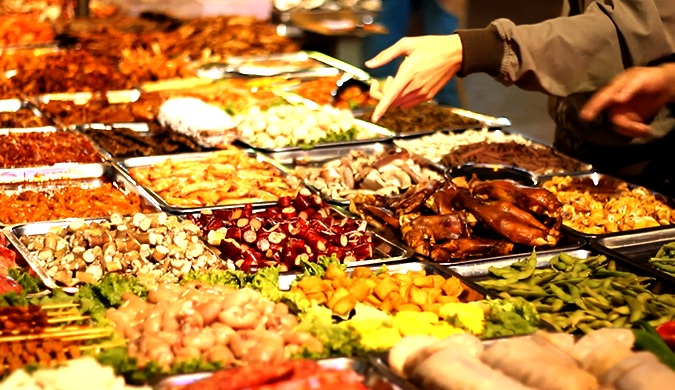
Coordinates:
[59,306]
[67,319]
[71,335]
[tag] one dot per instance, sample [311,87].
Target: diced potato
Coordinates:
[345,282]
[433,294]
[423,281]
[433,308]
[403,278]
[344,305]
[311,285]
[337,295]
[384,288]
[370,282]
[387,306]
[334,272]
[319,297]
[397,299]
[418,296]
[409,307]
[327,286]
[452,287]
[372,299]
[404,290]
[362,272]
[419,273]
[360,290]
[438,280]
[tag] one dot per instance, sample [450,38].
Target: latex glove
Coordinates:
[431,61]
[633,98]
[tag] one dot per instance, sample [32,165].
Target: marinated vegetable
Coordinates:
[123,142]
[68,202]
[665,258]
[422,118]
[602,204]
[581,294]
[49,148]
[295,231]
[153,247]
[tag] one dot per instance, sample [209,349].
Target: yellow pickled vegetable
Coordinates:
[470,315]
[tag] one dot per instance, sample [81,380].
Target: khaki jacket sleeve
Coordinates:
[581,53]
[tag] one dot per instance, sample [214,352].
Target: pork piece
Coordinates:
[536,200]
[599,351]
[415,197]
[538,365]
[424,231]
[441,201]
[463,247]
[639,371]
[507,220]
[451,370]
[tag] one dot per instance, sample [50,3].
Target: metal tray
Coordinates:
[286,280]
[385,135]
[317,157]
[385,250]
[492,172]
[16,105]
[484,120]
[637,247]
[373,377]
[291,65]
[48,129]
[126,164]
[77,175]
[595,177]
[15,232]
[480,271]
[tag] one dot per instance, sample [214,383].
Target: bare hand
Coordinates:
[632,99]
[431,61]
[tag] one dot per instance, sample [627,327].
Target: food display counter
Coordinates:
[199,204]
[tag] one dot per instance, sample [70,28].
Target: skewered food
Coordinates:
[297,374]
[287,125]
[77,374]
[48,148]
[602,204]
[23,30]
[99,110]
[217,323]
[581,294]
[533,158]
[68,202]
[602,359]
[441,220]
[225,177]
[123,142]
[389,292]
[437,145]
[153,247]
[422,118]
[295,231]
[207,124]
[386,173]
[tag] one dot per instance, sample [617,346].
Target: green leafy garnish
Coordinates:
[337,340]
[509,317]
[319,267]
[331,136]
[266,280]
[29,284]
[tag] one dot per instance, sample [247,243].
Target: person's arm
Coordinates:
[568,55]
[633,98]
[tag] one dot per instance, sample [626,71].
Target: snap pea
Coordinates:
[636,312]
[561,294]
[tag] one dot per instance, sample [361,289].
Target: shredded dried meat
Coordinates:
[49,148]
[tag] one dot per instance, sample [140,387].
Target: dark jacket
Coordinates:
[572,56]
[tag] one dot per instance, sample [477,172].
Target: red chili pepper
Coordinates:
[667,333]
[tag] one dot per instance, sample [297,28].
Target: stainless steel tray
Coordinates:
[316,158]
[637,247]
[384,135]
[480,271]
[373,378]
[290,65]
[77,175]
[286,280]
[16,105]
[126,164]
[595,178]
[15,232]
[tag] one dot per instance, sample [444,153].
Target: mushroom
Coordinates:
[398,179]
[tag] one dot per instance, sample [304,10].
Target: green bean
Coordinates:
[602,300]
[579,316]
[557,305]
[558,292]
[613,316]
[598,304]
[623,310]
[597,324]
[585,328]
[661,320]
[567,259]
[528,293]
[620,322]
[636,312]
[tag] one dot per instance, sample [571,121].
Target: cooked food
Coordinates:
[442,220]
[225,177]
[422,118]
[154,248]
[295,231]
[21,118]
[206,124]
[32,149]
[386,173]
[123,142]
[602,204]
[437,145]
[533,362]
[213,322]
[664,259]
[68,201]
[538,159]
[24,30]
